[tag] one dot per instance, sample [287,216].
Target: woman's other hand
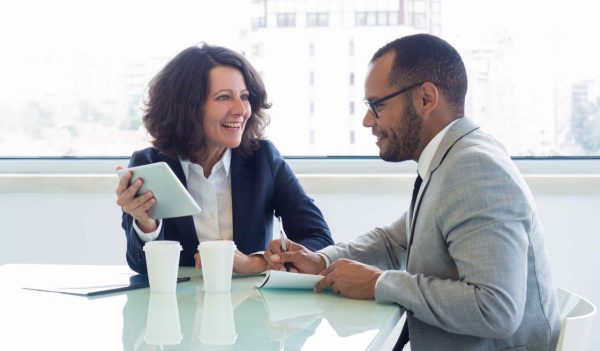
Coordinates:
[242,263]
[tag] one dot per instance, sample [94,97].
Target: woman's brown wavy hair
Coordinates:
[174,109]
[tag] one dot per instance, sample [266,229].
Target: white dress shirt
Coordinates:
[213,195]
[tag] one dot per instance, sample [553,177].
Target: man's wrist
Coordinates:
[324,261]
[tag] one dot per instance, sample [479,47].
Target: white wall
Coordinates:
[73,219]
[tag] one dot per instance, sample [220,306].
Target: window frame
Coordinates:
[537,165]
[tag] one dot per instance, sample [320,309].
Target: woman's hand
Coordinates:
[136,206]
[242,263]
[245,264]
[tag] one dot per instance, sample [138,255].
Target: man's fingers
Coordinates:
[275,246]
[323,284]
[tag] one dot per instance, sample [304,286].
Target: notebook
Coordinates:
[289,280]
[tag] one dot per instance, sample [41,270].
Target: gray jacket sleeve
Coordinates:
[384,247]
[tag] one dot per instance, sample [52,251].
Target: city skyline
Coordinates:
[68,99]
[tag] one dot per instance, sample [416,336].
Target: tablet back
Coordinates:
[172,198]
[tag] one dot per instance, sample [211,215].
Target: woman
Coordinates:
[206,114]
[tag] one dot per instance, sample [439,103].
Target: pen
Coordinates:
[283,241]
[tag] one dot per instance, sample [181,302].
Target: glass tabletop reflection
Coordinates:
[244,319]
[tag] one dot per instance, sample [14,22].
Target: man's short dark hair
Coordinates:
[177,95]
[424,57]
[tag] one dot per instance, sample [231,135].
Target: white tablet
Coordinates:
[172,198]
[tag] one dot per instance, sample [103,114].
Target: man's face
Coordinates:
[398,128]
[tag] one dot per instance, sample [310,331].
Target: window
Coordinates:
[317,19]
[360,19]
[74,74]
[286,20]
[259,22]
[420,20]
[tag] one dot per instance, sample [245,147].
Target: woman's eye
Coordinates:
[222,97]
[245,97]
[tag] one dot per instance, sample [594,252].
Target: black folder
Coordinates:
[120,282]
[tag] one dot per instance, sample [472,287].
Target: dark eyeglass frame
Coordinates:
[372,105]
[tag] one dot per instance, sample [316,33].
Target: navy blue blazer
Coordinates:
[262,184]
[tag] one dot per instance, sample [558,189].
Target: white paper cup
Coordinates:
[162,260]
[217,264]
[218,326]
[162,324]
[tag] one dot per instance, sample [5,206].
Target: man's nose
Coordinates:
[368,120]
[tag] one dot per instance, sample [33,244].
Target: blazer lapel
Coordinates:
[461,128]
[241,195]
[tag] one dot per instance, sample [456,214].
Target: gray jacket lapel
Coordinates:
[461,128]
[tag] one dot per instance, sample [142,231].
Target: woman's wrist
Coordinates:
[256,264]
[147,226]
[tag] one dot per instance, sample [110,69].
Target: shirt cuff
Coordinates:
[258,253]
[325,258]
[146,237]
[380,277]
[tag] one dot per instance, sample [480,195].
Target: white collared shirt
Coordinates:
[213,195]
[429,151]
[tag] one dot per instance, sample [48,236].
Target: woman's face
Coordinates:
[226,110]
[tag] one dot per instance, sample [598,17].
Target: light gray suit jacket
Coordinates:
[478,276]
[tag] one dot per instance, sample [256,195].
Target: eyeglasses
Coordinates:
[372,105]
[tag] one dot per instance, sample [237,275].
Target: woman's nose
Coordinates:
[239,107]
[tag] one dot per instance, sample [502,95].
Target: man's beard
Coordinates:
[403,138]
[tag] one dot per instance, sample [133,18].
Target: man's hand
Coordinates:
[350,278]
[242,263]
[302,259]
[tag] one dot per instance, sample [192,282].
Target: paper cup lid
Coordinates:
[217,244]
[162,245]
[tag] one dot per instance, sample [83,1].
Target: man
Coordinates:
[468,262]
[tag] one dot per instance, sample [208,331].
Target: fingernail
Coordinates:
[275,258]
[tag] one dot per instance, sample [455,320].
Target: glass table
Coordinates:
[245,319]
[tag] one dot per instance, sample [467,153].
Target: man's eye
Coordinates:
[378,106]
